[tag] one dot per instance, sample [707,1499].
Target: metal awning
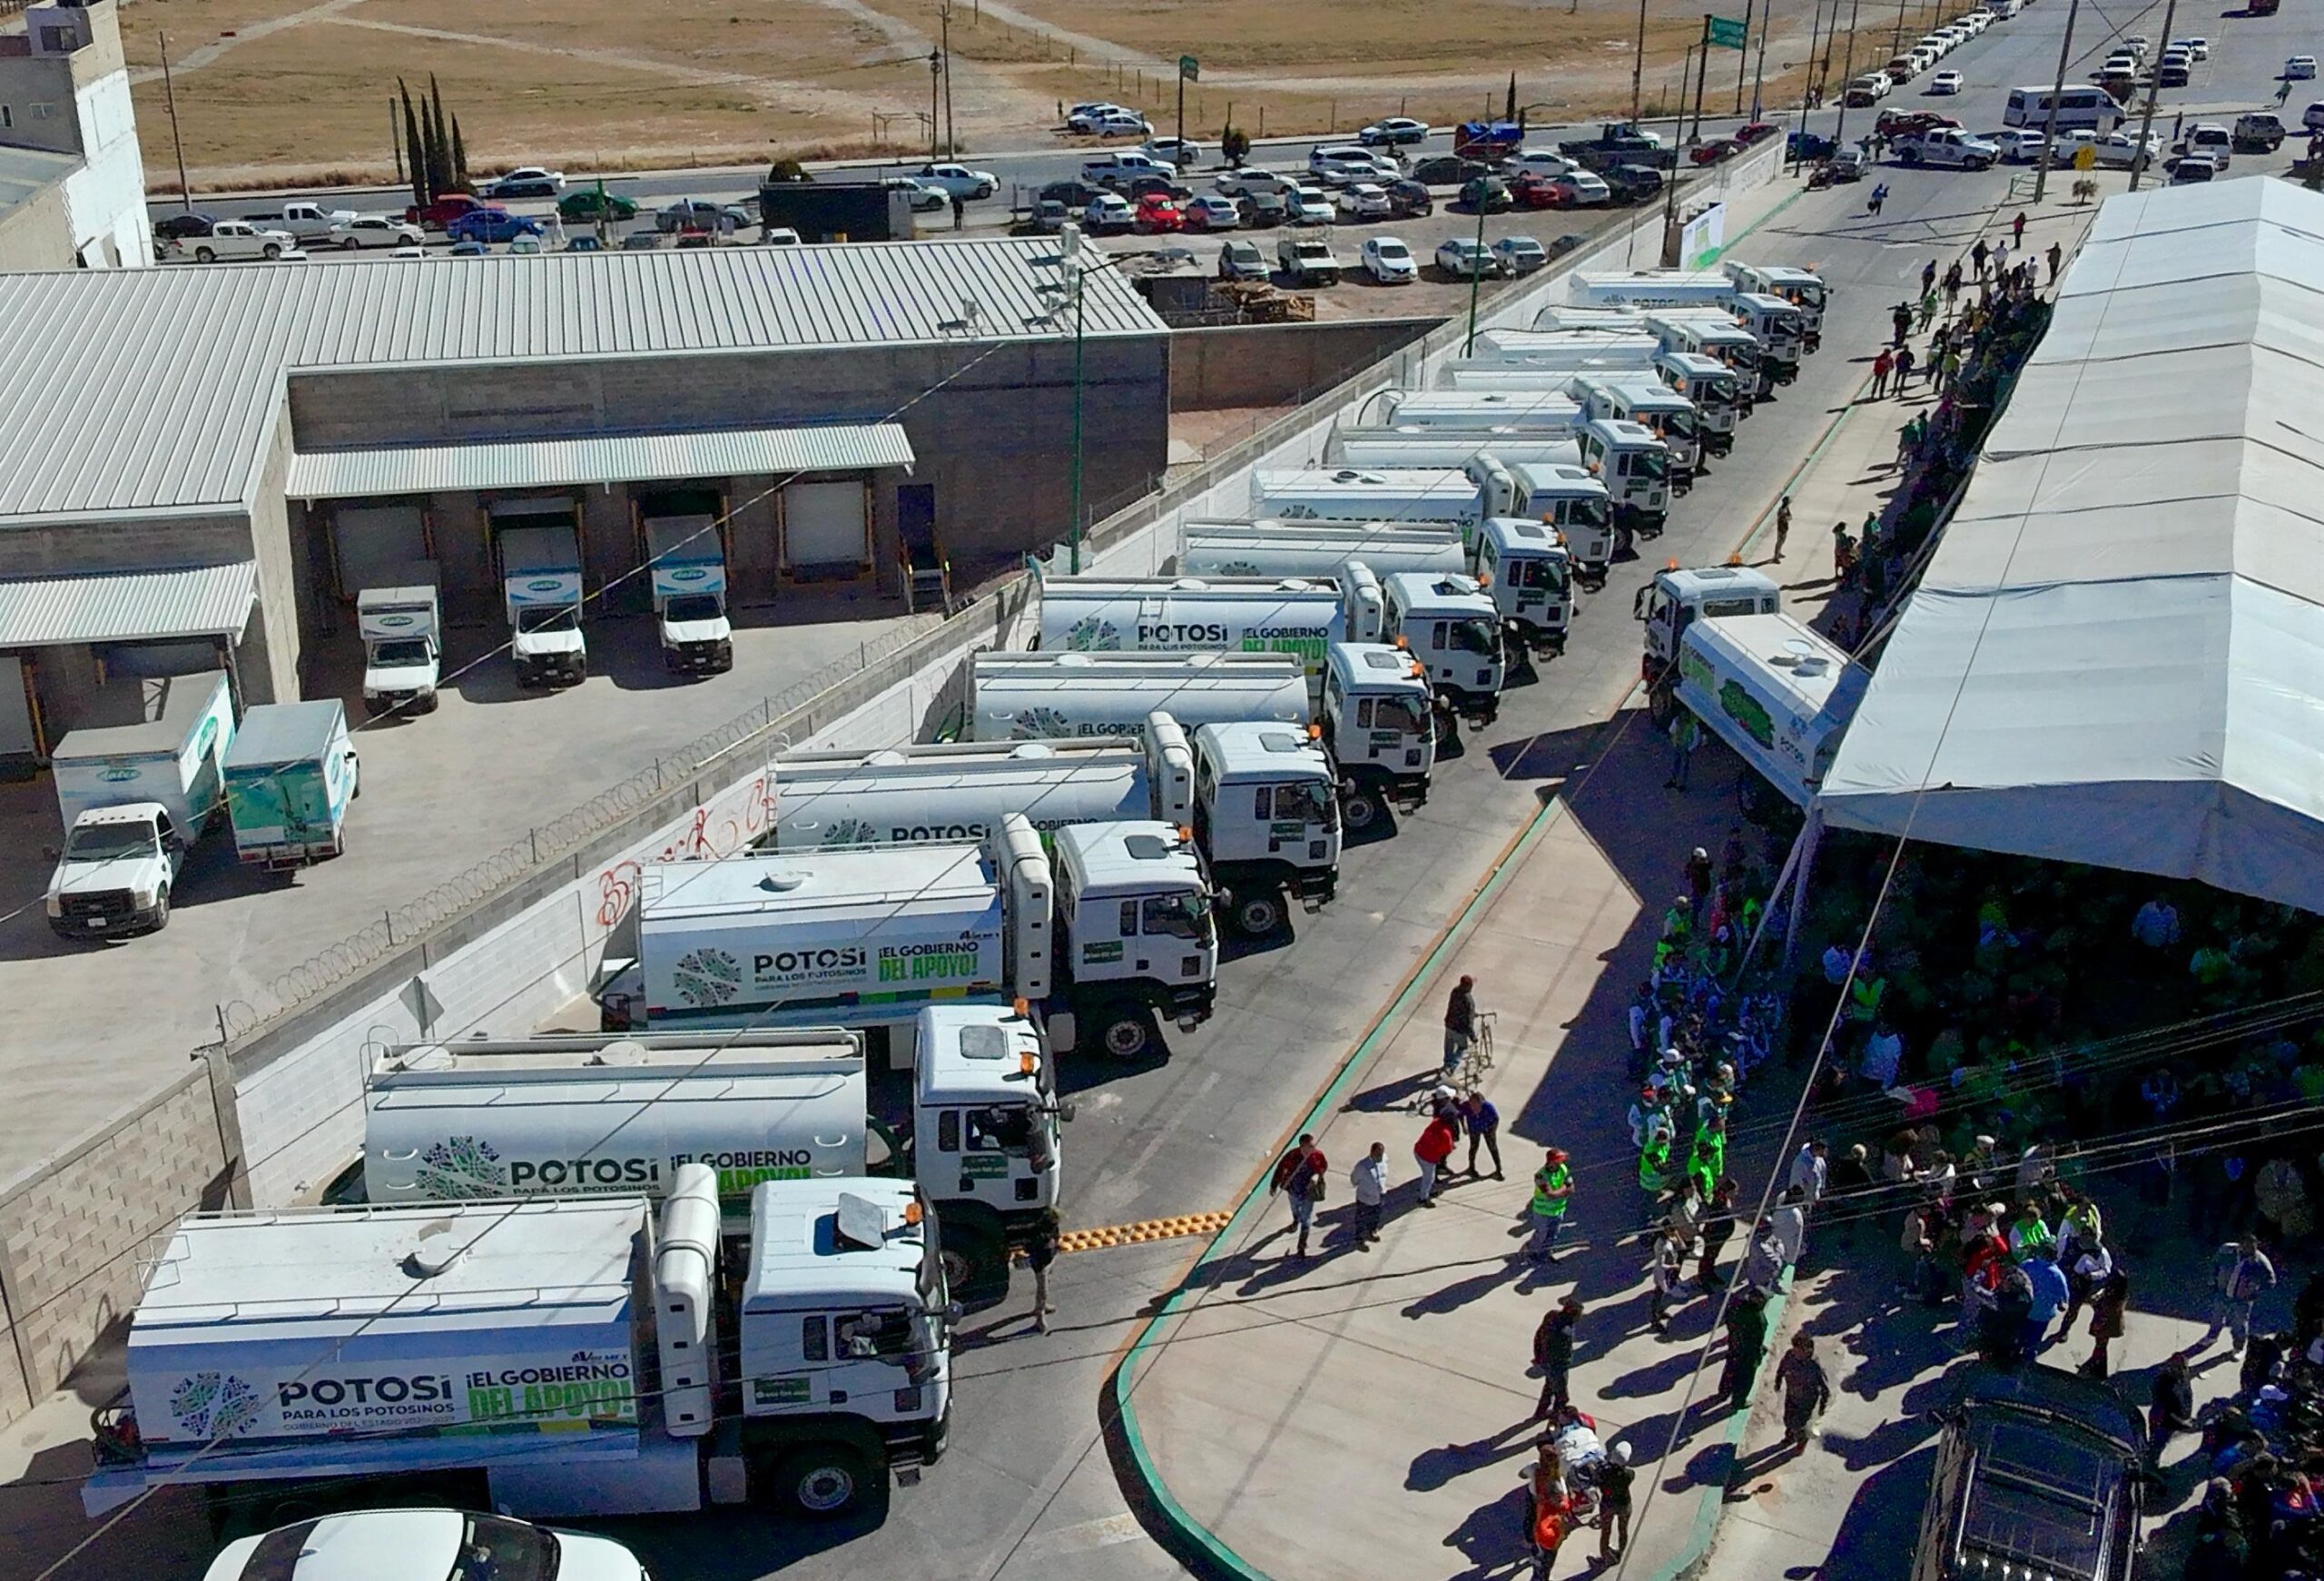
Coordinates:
[127,606]
[622,458]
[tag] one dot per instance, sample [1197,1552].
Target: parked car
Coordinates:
[1520,255]
[439,214]
[1462,259]
[584,242]
[1241,259]
[1088,117]
[2205,137]
[1112,167]
[1140,186]
[1390,130]
[780,236]
[1211,212]
[1581,189]
[1945,83]
[1896,123]
[924,199]
[1849,164]
[524,246]
[641,241]
[469,250]
[2187,168]
[492,225]
[1049,216]
[1250,178]
[698,214]
[1411,200]
[421,253]
[957,181]
[1868,90]
[2034,1461]
[1631,183]
[1489,193]
[1529,190]
[591,205]
[422,1544]
[1388,261]
[1307,206]
[1351,162]
[1108,213]
[2300,68]
[1261,209]
[1711,150]
[1756,131]
[182,227]
[2016,145]
[1120,123]
[1364,199]
[240,238]
[2196,48]
[2173,73]
[526,182]
[1073,195]
[1308,260]
[1448,170]
[1181,152]
[1157,212]
[1542,161]
[376,230]
[2263,132]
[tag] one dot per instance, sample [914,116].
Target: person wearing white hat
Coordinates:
[1614,1479]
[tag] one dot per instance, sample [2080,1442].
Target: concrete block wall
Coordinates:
[1236,365]
[75,1239]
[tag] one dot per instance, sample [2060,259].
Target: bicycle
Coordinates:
[1463,1075]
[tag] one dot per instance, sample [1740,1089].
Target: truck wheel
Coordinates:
[825,1482]
[271,249]
[349,244]
[1360,807]
[160,911]
[1124,1029]
[1259,913]
[205,255]
[973,1259]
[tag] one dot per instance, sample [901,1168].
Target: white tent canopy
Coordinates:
[2117,653]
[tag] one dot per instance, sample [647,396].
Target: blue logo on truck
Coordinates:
[118,776]
[212,1405]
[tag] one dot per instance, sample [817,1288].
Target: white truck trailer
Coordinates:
[1364,494]
[402,624]
[540,569]
[1776,692]
[1778,326]
[689,574]
[135,789]
[559,1358]
[960,790]
[1304,547]
[1071,696]
[1710,385]
[1629,459]
[572,1114]
[1104,930]
[1300,615]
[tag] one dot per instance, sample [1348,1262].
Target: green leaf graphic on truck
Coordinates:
[1746,711]
[1094,634]
[212,1405]
[707,977]
[459,1169]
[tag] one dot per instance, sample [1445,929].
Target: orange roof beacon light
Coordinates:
[1671,565]
[1735,559]
[912,1214]
[1023,1008]
[1314,732]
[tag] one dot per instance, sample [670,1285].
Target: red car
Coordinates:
[1756,131]
[1900,123]
[1534,192]
[1160,211]
[439,214]
[1712,151]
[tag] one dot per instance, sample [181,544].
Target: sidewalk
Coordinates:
[1362,1412]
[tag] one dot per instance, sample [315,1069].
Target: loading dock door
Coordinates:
[827,527]
[372,543]
[19,750]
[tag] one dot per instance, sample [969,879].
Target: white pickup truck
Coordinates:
[308,221]
[240,238]
[1947,146]
[1308,261]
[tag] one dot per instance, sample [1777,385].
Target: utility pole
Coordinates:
[1638,63]
[1848,67]
[169,95]
[935,80]
[1759,71]
[951,136]
[1182,113]
[2057,92]
[1897,44]
[1743,58]
[1476,274]
[2153,87]
[395,138]
[1702,70]
[1807,88]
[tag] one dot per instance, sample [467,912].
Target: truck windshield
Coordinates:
[396,655]
[1589,511]
[693,607]
[1654,463]
[493,1549]
[1177,916]
[1810,296]
[1476,635]
[1305,802]
[1409,716]
[1678,425]
[109,841]
[1742,359]
[548,618]
[1544,573]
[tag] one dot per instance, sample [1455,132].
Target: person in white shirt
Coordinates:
[1809,1172]
[1370,1179]
[1884,1054]
[1790,1224]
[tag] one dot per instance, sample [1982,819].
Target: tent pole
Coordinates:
[1811,835]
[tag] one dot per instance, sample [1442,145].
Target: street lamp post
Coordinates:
[2154,87]
[2057,92]
[1477,272]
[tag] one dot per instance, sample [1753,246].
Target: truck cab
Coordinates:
[541,579]
[1635,466]
[1267,818]
[1712,386]
[1803,287]
[986,1139]
[1524,565]
[689,574]
[1714,333]
[402,629]
[1451,625]
[115,872]
[1135,935]
[1643,398]
[1778,327]
[1568,498]
[1677,599]
[1379,730]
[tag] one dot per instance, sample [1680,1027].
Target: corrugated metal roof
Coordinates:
[126,606]
[156,390]
[621,458]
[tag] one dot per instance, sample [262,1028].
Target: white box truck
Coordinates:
[540,569]
[1267,815]
[1056,696]
[1776,692]
[1678,598]
[290,777]
[135,789]
[402,624]
[689,574]
[579,1114]
[1301,547]
[1300,615]
[558,1357]
[1103,931]
[960,790]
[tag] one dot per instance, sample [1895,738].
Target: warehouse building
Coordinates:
[208,463]
[68,144]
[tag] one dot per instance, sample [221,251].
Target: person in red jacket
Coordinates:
[1435,1146]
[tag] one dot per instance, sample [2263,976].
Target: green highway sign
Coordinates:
[1191,68]
[1723,32]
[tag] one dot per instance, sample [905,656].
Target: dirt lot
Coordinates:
[301,89]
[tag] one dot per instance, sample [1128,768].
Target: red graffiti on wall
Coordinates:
[723,826]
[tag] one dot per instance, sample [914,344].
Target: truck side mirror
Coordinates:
[1065,1113]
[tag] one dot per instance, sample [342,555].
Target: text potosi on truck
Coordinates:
[569,1115]
[135,789]
[558,1357]
[1106,928]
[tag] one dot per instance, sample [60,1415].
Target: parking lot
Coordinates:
[439,793]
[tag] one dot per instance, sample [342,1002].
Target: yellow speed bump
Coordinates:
[1144,1231]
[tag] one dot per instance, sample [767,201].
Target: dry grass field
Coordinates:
[282,90]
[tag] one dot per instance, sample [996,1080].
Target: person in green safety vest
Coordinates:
[1654,1172]
[1863,996]
[1552,1194]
